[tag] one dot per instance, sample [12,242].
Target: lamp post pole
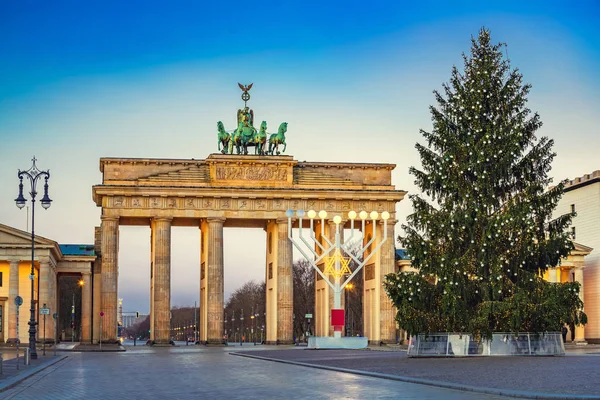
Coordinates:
[33,174]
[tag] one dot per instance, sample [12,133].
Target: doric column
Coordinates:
[387,312]
[579,329]
[285,284]
[110,274]
[214,272]
[97,285]
[97,300]
[13,292]
[86,307]
[553,275]
[44,298]
[161,280]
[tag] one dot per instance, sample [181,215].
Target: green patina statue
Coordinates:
[246,135]
[261,139]
[223,138]
[278,138]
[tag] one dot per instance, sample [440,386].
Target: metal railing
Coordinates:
[501,344]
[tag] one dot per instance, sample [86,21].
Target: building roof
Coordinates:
[584,180]
[77,249]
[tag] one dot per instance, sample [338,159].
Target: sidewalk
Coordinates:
[572,377]
[11,375]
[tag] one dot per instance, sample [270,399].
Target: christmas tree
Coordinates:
[481,235]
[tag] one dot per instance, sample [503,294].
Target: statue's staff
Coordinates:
[245,95]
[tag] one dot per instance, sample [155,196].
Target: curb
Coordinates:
[13,381]
[446,385]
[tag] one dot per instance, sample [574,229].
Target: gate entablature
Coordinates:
[248,187]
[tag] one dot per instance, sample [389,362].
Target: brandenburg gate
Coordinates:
[226,190]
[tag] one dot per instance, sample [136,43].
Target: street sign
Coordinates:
[308,316]
[18,300]
[55,315]
[31,277]
[45,311]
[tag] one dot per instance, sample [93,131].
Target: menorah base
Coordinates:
[347,342]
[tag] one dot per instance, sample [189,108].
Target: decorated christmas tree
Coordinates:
[482,235]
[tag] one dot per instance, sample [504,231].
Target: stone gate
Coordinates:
[237,191]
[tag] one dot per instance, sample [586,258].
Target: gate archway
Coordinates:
[238,191]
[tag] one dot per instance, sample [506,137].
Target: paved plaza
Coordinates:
[208,373]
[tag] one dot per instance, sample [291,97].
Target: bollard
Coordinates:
[27,356]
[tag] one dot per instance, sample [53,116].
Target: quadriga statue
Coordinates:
[278,138]
[261,139]
[223,138]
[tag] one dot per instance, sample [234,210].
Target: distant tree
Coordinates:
[139,330]
[247,301]
[304,295]
[182,322]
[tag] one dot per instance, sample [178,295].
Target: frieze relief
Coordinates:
[250,173]
[245,204]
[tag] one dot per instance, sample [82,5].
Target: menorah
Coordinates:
[330,253]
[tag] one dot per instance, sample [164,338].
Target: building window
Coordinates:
[0,279]
[573,232]
[572,208]
[270,270]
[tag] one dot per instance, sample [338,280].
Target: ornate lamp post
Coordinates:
[335,264]
[33,174]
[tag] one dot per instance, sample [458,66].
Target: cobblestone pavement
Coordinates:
[570,375]
[207,373]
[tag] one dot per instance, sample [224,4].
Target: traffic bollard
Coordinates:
[27,356]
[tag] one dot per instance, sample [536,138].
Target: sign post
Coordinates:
[44,311]
[55,316]
[18,302]
[101,315]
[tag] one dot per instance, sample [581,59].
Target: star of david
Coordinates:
[330,265]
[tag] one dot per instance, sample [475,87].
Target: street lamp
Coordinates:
[33,174]
[349,287]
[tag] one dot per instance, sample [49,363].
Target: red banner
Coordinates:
[337,317]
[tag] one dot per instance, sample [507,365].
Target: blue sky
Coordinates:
[80,81]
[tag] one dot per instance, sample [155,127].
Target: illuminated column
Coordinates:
[553,276]
[86,307]
[285,284]
[323,292]
[97,295]
[13,292]
[44,298]
[161,280]
[579,329]
[203,327]
[386,310]
[110,274]
[214,280]
[271,283]
[97,286]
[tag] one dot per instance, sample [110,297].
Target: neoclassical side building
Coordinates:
[582,195]
[51,260]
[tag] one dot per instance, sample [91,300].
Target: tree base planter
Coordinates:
[346,342]
[501,344]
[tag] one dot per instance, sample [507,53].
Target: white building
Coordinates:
[582,195]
